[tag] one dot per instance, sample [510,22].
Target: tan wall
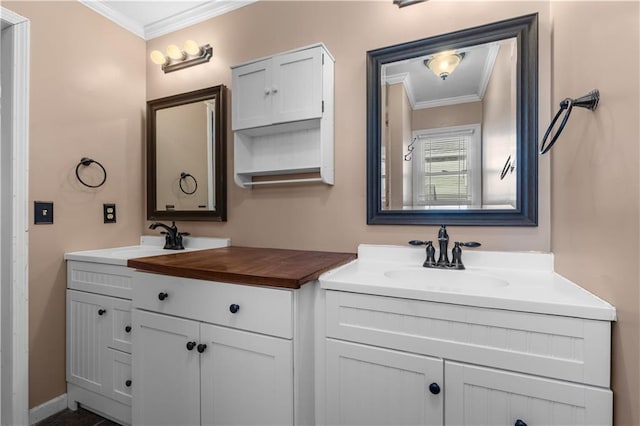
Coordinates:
[595,196]
[87,98]
[324,217]
[447,116]
[396,144]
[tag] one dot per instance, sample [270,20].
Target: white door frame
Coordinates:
[14,226]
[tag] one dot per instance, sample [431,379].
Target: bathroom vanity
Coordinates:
[99,327]
[226,336]
[505,342]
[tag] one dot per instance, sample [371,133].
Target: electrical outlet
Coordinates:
[109,213]
[42,212]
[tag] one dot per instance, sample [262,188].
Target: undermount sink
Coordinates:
[139,251]
[444,280]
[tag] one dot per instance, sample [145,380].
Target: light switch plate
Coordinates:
[43,212]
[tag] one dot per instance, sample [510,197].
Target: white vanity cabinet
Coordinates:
[215,353]
[383,356]
[99,338]
[283,118]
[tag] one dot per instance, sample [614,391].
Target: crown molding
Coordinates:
[168,25]
[192,16]
[124,21]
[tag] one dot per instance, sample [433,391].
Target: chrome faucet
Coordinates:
[443,259]
[172,238]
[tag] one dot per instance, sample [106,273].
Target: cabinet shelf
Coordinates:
[283,118]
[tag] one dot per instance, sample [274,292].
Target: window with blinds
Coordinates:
[446,179]
[447,167]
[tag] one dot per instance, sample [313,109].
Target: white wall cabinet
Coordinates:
[282,117]
[493,367]
[199,360]
[99,339]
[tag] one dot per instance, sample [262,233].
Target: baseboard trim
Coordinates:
[47,409]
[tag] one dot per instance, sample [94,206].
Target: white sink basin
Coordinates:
[444,280]
[138,251]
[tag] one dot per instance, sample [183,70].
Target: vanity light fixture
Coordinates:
[403,3]
[176,59]
[444,63]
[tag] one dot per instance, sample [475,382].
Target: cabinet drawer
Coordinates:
[566,348]
[119,374]
[109,280]
[260,309]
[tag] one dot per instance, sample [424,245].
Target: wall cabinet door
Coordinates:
[246,378]
[87,331]
[297,86]
[281,89]
[252,95]
[367,385]
[166,373]
[484,396]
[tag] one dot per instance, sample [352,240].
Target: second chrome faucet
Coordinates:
[443,245]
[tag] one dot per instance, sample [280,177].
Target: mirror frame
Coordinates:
[525,29]
[220,155]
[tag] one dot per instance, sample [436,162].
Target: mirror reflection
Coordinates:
[186,156]
[449,129]
[452,128]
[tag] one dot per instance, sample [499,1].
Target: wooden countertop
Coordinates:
[245,265]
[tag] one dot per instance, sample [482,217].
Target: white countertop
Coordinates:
[505,280]
[149,246]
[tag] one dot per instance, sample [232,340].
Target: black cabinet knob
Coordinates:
[434,388]
[102,312]
[191,345]
[162,295]
[234,308]
[128,383]
[201,347]
[520,423]
[127,329]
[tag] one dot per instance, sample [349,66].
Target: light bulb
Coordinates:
[192,48]
[174,52]
[157,57]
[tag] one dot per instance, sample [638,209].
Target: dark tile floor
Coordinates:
[81,417]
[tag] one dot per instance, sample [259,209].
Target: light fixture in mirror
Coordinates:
[186,156]
[444,63]
[436,144]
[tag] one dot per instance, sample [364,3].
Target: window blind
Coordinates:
[446,176]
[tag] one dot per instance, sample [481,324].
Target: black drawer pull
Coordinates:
[191,345]
[162,295]
[127,329]
[520,423]
[234,308]
[201,347]
[434,388]
[128,383]
[101,312]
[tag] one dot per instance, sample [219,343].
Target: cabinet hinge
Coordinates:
[322,106]
[323,59]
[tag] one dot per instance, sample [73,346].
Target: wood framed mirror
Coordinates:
[455,146]
[186,156]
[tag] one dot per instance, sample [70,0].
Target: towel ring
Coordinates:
[84,161]
[508,168]
[588,101]
[183,176]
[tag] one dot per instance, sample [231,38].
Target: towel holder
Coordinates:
[84,161]
[588,101]
[183,176]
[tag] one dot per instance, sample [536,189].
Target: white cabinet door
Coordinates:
[297,86]
[367,385]
[120,328]
[166,374]
[246,378]
[252,96]
[87,331]
[484,396]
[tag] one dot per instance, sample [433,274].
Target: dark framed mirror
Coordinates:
[452,128]
[186,156]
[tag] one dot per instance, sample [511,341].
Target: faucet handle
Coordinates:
[184,233]
[469,244]
[418,242]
